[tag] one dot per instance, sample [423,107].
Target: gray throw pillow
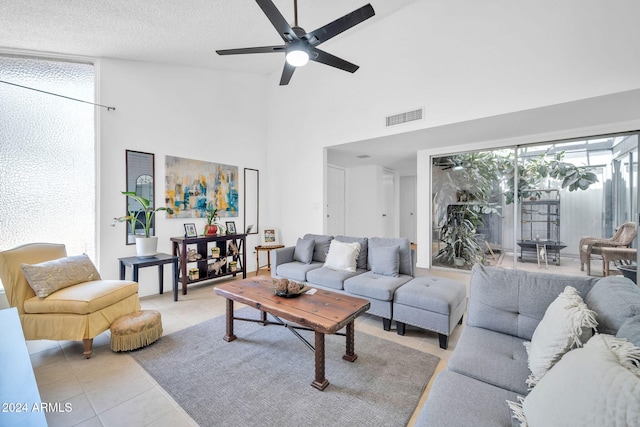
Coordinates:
[631,330]
[322,243]
[304,251]
[384,260]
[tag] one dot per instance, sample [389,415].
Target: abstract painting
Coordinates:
[193,186]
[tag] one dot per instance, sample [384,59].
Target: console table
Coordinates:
[207,266]
[160,260]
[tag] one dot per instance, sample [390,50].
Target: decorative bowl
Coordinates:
[288,288]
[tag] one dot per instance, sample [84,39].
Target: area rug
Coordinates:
[263,377]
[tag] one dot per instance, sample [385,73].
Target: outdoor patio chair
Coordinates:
[623,238]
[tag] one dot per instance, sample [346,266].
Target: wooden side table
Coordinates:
[268,250]
[160,259]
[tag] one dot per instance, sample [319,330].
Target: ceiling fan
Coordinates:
[300,46]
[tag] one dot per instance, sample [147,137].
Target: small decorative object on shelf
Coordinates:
[215,252]
[194,274]
[217,268]
[233,266]
[193,255]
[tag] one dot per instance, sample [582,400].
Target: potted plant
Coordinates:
[147,245]
[211,228]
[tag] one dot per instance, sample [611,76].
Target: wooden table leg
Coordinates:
[350,354]
[320,382]
[229,336]
[257,261]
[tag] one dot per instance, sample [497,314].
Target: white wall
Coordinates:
[178,111]
[461,61]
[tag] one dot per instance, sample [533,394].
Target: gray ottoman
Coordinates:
[431,303]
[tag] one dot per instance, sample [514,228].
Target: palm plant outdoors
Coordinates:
[134,216]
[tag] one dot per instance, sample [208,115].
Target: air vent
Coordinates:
[363,156]
[409,116]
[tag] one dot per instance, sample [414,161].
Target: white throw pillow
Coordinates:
[342,256]
[566,324]
[597,385]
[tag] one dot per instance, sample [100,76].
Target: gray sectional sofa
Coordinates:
[364,282]
[489,364]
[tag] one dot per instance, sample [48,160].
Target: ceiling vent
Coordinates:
[409,116]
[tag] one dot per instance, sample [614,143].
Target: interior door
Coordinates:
[335,201]
[408,207]
[387,205]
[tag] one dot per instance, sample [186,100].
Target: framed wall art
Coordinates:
[194,186]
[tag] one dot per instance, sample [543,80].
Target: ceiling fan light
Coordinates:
[297,58]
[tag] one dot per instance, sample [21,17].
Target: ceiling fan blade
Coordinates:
[277,20]
[340,25]
[331,60]
[286,74]
[262,49]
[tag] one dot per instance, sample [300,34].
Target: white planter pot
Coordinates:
[146,247]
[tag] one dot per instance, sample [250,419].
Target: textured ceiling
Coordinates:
[168,31]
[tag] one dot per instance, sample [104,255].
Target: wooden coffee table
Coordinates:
[324,312]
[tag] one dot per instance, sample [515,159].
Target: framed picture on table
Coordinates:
[231,227]
[269,236]
[190,230]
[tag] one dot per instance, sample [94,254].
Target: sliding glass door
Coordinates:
[529,207]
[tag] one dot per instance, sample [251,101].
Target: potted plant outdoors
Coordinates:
[147,245]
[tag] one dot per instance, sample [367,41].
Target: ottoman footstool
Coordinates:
[135,330]
[431,303]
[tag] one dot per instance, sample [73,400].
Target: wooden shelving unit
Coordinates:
[210,267]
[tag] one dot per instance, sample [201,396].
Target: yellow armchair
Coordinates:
[78,312]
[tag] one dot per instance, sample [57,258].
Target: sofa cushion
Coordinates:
[406,258]
[458,400]
[596,385]
[491,357]
[377,286]
[304,251]
[82,298]
[47,277]
[321,247]
[364,248]
[514,301]
[296,270]
[630,330]
[385,260]
[615,299]
[431,293]
[342,256]
[566,324]
[329,278]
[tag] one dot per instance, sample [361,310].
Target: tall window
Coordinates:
[47,154]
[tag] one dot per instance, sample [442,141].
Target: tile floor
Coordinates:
[111,389]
